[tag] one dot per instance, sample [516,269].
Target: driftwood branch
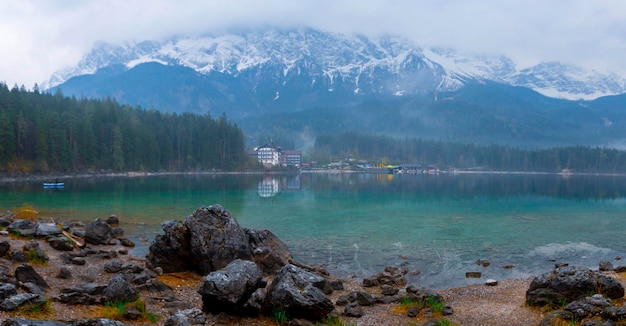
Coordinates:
[76,240]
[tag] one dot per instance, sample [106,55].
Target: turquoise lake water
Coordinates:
[355,224]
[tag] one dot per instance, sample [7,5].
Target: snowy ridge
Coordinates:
[387,65]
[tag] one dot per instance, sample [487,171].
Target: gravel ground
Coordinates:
[473,305]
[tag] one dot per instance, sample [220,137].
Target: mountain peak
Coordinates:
[385,65]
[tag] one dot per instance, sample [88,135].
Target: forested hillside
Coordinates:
[42,132]
[493,157]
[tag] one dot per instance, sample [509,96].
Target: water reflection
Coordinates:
[272,185]
[268,187]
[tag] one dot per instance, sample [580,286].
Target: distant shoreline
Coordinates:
[5,178]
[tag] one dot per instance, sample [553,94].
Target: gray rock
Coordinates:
[413,311]
[113,266]
[119,289]
[387,299]
[255,302]
[60,243]
[89,288]
[6,220]
[77,298]
[126,242]
[23,227]
[336,284]
[98,232]
[620,269]
[31,322]
[211,238]
[614,313]
[7,290]
[473,274]
[422,294]
[5,271]
[171,251]
[18,256]
[177,320]
[192,316]
[370,282]
[98,322]
[26,273]
[4,248]
[216,239]
[113,220]
[117,232]
[363,298]
[294,291]
[605,266]
[47,229]
[353,310]
[154,286]
[491,282]
[388,290]
[32,288]
[78,261]
[15,301]
[227,290]
[567,284]
[343,300]
[132,313]
[64,273]
[268,251]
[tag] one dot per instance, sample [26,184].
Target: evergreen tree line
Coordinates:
[42,132]
[386,149]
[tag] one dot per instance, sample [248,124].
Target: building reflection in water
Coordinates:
[271,186]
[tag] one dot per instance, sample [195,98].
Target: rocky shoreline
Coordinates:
[207,270]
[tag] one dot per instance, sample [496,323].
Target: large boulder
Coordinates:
[216,239]
[210,239]
[268,251]
[569,283]
[98,232]
[228,289]
[171,251]
[299,293]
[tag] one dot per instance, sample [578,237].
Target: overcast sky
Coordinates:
[40,37]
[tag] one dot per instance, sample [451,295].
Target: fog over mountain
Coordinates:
[280,81]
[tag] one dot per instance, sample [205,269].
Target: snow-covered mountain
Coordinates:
[274,59]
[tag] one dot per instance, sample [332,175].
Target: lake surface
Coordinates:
[359,223]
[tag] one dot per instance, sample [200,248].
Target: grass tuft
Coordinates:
[35,258]
[434,304]
[334,320]
[280,316]
[36,311]
[116,310]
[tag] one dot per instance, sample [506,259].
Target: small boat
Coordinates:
[53,185]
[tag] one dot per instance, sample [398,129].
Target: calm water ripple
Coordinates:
[355,224]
